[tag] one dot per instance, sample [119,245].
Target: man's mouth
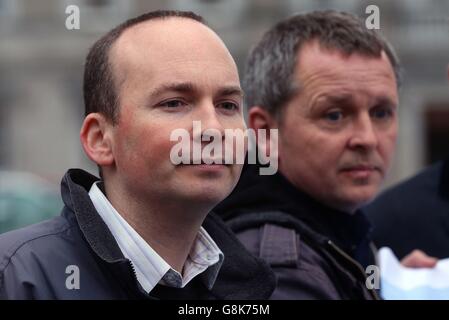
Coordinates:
[209,168]
[360,167]
[207,164]
[208,161]
[360,171]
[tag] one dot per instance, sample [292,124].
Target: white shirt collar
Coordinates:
[204,258]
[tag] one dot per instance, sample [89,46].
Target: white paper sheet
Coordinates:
[399,282]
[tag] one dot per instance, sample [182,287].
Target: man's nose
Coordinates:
[364,134]
[211,124]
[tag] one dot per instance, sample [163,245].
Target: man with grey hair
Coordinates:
[330,87]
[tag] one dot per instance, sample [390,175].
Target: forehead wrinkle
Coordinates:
[329,83]
[192,88]
[339,76]
[335,65]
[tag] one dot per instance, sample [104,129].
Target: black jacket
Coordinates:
[312,249]
[34,260]
[414,214]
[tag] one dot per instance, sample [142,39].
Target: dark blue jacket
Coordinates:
[36,261]
[414,214]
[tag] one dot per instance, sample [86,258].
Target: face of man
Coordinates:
[170,73]
[337,134]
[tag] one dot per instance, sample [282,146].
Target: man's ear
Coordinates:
[260,118]
[96,139]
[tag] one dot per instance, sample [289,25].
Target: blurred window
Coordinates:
[437,132]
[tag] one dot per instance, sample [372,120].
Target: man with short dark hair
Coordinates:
[330,87]
[143,231]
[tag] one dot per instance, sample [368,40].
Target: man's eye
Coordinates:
[334,116]
[381,113]
[228,106]
[172,104]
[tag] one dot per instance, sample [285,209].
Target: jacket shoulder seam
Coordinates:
[8,257]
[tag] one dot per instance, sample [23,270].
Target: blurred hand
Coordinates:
[418,259]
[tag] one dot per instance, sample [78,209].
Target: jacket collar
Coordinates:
[242,276]
[256,193]
[74,189]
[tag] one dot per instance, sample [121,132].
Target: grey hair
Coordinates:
[268,79]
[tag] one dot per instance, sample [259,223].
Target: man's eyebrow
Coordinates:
[347,99]
[187,87]
[229,91]
[181,87]
[343,98]
[386,101]
[332,98]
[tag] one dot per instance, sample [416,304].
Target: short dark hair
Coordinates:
[268,78]
[99,89]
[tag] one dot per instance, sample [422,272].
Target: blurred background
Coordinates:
[41,65]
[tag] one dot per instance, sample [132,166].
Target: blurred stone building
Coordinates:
[41,64]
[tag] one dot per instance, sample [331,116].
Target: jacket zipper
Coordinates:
[355,263]
[136,282]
